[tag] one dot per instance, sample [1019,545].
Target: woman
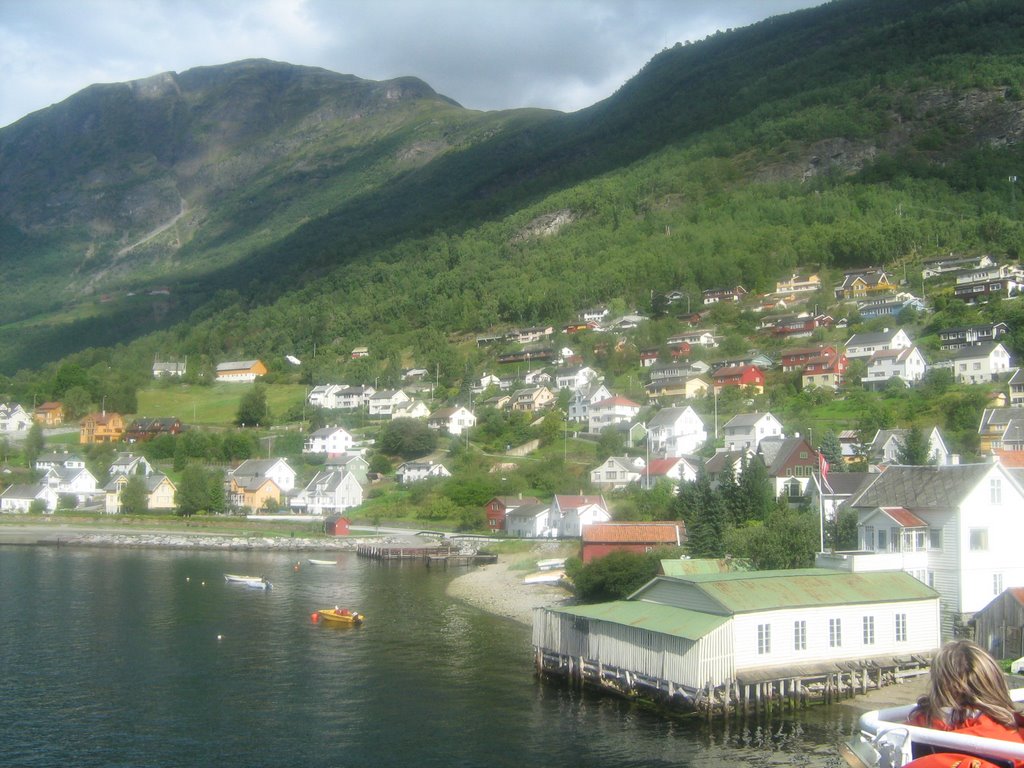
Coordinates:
[968,694]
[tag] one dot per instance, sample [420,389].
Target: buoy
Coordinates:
[220,637]
[297,566]
[315,617]
[203,583]
[188,579]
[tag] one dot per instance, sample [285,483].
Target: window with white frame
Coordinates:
[835,633]
[869,537]
[764,638]
[997,583]
[901,627]
[869,630]
[935,538]
[979,539]
[995,490]
[800,635]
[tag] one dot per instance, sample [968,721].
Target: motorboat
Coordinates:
[253,582]
[885,740]
[544,577]
[338,616]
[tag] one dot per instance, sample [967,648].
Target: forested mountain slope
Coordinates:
[280,207]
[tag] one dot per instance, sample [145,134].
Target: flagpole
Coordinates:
[821,505]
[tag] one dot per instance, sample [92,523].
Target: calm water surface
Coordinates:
[115,657]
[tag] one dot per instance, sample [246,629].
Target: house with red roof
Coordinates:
[739,376]
[675,471]
[602,539]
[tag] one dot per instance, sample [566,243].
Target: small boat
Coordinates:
[322,562]
[555,563]
[544,577]
[253,582]
[338,616]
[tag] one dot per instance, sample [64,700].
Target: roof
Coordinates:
[663,619]
[904,518]
[847,483]
[746,419]
[747,592]
[529,510]
[775,452]
[639,533]
[984,349]
[877,337]
[691,566]
[921,487]
[237,365]
[575,502]
[664,466]
[667,416]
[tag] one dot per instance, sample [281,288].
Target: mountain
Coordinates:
[277,207]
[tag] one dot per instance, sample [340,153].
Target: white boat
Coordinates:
[322,562]
[544,577]
[885,739]
[554,564]
[253,582]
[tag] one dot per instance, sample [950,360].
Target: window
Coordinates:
[869,630]
[935,538]
[995,490]
[979,539]
[764,638]
[800,635]
[901,627]
[997,583]
[882,545]
[835,633]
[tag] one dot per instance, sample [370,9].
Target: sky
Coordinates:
[484,54]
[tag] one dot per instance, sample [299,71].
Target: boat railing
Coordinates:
[875,726]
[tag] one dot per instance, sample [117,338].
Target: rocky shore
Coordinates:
[498,588]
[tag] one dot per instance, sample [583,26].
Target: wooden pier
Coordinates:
[435,557]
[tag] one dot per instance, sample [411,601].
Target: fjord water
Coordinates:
[118,657]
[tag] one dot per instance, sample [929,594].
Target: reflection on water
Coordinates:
[117,657]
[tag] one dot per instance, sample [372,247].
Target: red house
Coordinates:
[796,359]
[739,376]
[600,539]
[337,526]
[497,509]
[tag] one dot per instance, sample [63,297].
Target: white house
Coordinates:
[745,431]
[888,444]
[697,338]
[251,471]
[570,513]
[14,418]
[610,411]
[617,472]
[690,633]
[72,481]
[323,396]
[863,345]
[18,498]
[414,471]
[674,470]
[905,363]
[956,528]
[576,377]
[130,464]
[454,421]
[329,440]
[675,432]
[59,460]
[329,492]
[585,396]
[411,409]
[383,403]
[980,363]
[528,521]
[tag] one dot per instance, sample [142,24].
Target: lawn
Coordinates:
[214,405]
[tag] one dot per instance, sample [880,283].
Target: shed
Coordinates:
[337,526]
[999,626]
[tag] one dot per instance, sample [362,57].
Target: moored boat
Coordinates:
[322,562]
[338,616]
[253,582]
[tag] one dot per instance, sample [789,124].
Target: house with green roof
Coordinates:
[731,636]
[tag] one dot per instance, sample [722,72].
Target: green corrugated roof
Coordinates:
[690,567]
[663,619]
[807,587]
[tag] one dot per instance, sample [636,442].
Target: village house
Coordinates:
[101,428]
[130,464]
[953,527]
[741,635]
[258,483]
[14,419]
[414,471]
[454,420]
[330,440]
[359,353]
[160,492]
[529,521]
[979,363]
[825,371]
[338,397]
[739,376]
[142,430]
[980,285]
[999,428]
[617,472]
[322,396]
[686,388]
[585,396]
[790,463]
[169,368]
[529,335]
[701,337]
[1015,387]
[532,399]
[797,326]
[726,461]
[330,492]
[906,364]
[240,371]
[965,336]
[861,283]
[71,482]
[716,295]
[798,284]
[536,377]
[20,497]
[673,471]
[887,445]
[863,345]
[600,539]
[50,414]
[609,412]
[745,431]
[674,432]
[648,357]
[411,409]
[499,507]
[594,315]
[576,377]
[349,463]
[384,402]
[59,460]
[936,267]
[570,513]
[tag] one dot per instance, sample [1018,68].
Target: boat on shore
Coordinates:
[253,582]
[338,617]
[544,577]
[885,738]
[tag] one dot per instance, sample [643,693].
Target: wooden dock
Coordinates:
[435,557]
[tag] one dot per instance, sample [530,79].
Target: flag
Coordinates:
[823,471]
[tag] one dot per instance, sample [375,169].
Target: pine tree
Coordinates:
[832,451]
[914,448]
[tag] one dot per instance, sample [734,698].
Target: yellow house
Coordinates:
[49,414]
[159,493]
[255,495]
[101,428]
[244,371]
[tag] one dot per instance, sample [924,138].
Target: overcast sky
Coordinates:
[485,54]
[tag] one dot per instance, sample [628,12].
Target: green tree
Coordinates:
[612,577]
[134,496]
[76,401]
[408,438]
[33,445]
[253,409]
[832,451]
[787,538]
[610,443]
[705,515]
[913,448]
[193,493]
